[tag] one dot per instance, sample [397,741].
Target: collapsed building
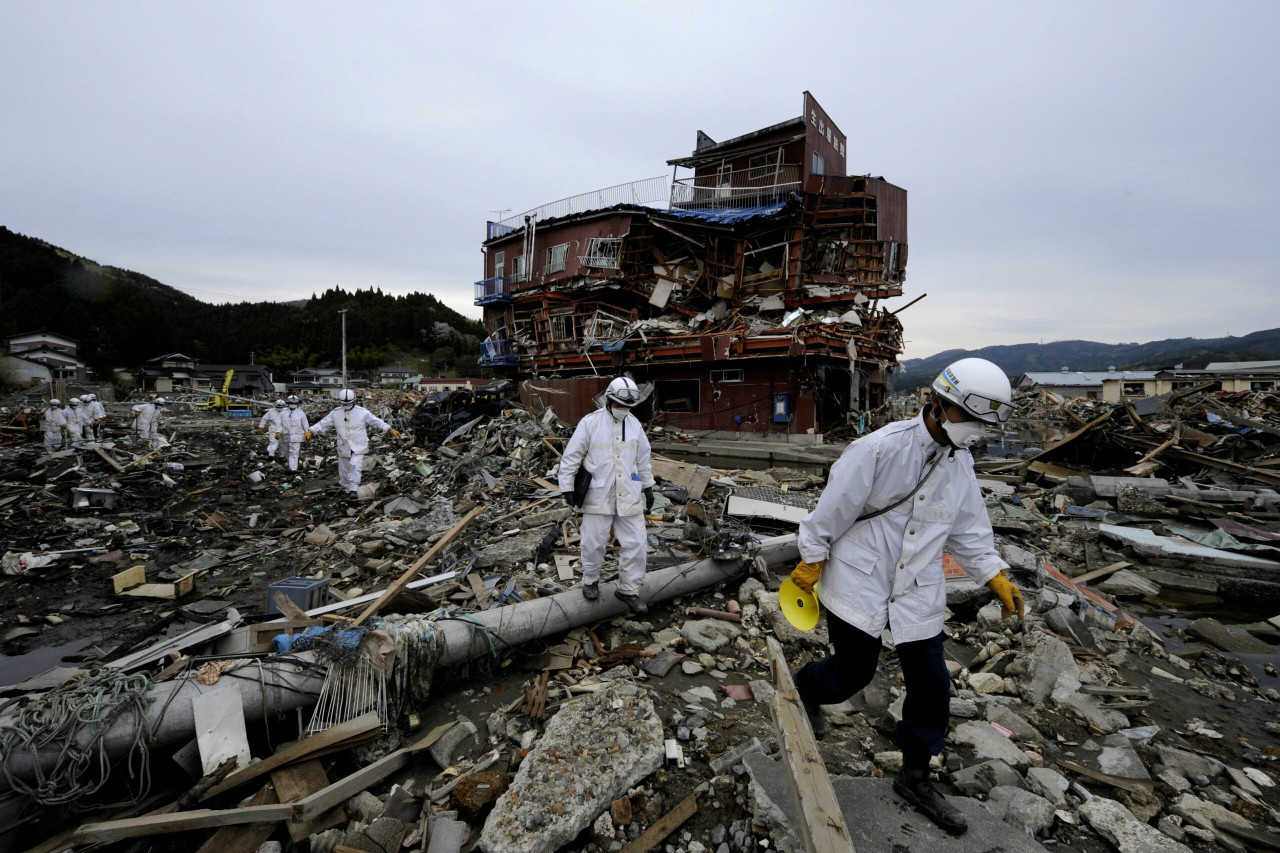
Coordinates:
[750,293]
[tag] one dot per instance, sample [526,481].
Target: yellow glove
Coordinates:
[395,433]
[306,436]
[277,435]
[805,575]
[262,429]
[1010,599]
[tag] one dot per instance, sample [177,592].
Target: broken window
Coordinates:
[562,326]
[1262,386]
[602,252]
[734,375]
[676,395]
[1135,389]
[499,263]
[764,165]
[518,272]
[556,258]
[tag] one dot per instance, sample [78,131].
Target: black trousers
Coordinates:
[926,710]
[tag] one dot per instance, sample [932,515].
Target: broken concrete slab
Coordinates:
[593,750]
[1091,711]
[878,819]
[1022,809]
[1234,641]
[1049,784]
[989,744]
[982,778]
[1014,722]
[1190,762]
[1149,545]
[1126,583]
[1118,825]
[1119,758]
[1205,814]
[1043,661]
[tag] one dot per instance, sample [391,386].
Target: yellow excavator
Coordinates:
[223,402]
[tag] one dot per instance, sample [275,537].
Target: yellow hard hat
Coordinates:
[800,607]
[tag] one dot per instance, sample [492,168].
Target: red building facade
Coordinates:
[750,292]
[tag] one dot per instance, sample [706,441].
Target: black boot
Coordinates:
[633,602]
[817,722]
[591,591]
[913,786]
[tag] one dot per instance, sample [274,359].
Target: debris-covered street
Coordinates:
[482,703]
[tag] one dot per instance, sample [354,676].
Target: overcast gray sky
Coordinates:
[1093,170]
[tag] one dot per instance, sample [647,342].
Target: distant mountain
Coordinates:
[1017,359]
[122,318]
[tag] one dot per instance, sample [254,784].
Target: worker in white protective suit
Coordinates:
[75,420]
[350,423]
[86,417]
[293,429]
[97,415]
[55,425]
[147,417]
[873,547]
[611,445]
[271,424]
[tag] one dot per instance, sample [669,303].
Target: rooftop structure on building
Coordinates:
[59,353]
[1237,366]
[749,288]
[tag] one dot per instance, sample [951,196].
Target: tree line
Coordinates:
[122,318]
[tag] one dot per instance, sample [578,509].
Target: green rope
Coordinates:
[71,721]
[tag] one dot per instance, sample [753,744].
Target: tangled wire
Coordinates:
[71,721]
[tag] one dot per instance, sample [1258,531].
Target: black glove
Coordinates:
[648,499]
[568,498]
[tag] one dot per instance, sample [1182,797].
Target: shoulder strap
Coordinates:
[937,457]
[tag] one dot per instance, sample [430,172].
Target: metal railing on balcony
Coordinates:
[648,191]
[498,354]
[707,191]
[494,289]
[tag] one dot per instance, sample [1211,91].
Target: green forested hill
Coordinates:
[123,318]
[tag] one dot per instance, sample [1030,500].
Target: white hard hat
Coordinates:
[55,402]
[292,400]
[346,395]
[159,401]
[75,401]
[279,404]
[978,387]
[623,391]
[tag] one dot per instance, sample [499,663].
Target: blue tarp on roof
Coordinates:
[726,215]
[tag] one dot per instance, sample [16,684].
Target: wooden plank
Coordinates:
[300,751]
[822,826]
[1103,572]
[1134,785]
[247,838]
[298,782]
[109,459]
[402,581]
[288,607]
[365,778]
[128,579]
[667,824]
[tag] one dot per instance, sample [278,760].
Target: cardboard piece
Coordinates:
[220,728]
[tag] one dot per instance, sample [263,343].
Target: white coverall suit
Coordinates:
[352,440]
[618,456]
[98,417]
[148,420]
[292,426]
[85,413]
[54,420]
[271,423]
[74,423]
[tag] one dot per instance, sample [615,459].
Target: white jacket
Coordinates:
[618,456]
[292,424]
[349,429]
[97,411]
[271,421]
[54,421]
[85,414]
[888,569]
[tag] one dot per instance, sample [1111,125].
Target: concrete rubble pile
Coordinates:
[1134,710]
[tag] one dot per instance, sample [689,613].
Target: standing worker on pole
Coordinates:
[893,501]
[349,423]
[611,446]
[55,425]
[292,428]
[271,425]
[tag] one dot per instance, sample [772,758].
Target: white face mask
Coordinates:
[965,434]
[619,413]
